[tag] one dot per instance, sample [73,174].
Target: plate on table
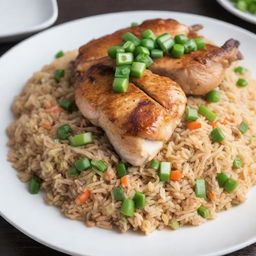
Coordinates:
[229,6]
[231,231]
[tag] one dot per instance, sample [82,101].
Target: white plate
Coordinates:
[232,230]
[229,6]
[19,18]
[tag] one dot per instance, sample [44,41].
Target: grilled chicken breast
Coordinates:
[137,122]
[197,73]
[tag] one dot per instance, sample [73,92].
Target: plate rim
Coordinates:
[49,244]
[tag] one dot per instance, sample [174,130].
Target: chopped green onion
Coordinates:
[177,50]
[200,43]
[73,172]
[112,51]
[64,131]
[191,114]
[99,165]
[181,39]
[81,139]
[200,189]
[230,185]
[165,42]
[124,58]
[241,5]
[217,135]
[213,96]
[120,84]
[141,49]
[129,46]
[145,59]
[165,171]
[241,82]
[82,164]
[149,34]
[121,170]
[67,104]
[139,200]
[131,37]
[58,74]
[237,163]
[240,70]
[174,224]
[204,212]
[118,193]
[137,69]
[155,164]
[222,178]
[206,112]
[123,71]
[243,127]
[59,54]
[34,185]
[127,208]
[190,46]
[134,24]
[156,53]
[148,43]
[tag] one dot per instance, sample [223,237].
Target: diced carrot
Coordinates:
[210,195]
[55,109]
[106,175]
[250,172]
[213,124]
[48,105]
[175,175]
[124,181]
[83,197]
[47,126]
[193,125]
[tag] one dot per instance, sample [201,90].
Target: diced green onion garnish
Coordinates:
[149,34]
[165,171]
[59,54]
[34,185]
[137,69]
[240,70]
[73,172]
[124,58]
[230,185]
[81,139]
[129,46]
[181,39]
[99,165]
[200,43]
[156,53]
[241,5]
[241,82]
[155,164]
[237,163]
[174,224]
[222,178]
[120,85]
[68,104]
[213,96]
[112,51]
[134,24]
[206,112]
[177,51]
[148,43]
[191,114]
[64,131]
[217,135]
[139,200]
[141,49]
[131,37]
[127,208]
[200,189]
[145,59]
[243,127]
[58,74]
[190,46]
[82,164]
[123,71]
[204,212]
[121,170]
[118,193]
[165,42]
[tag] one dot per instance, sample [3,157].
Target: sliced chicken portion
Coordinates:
[135,123]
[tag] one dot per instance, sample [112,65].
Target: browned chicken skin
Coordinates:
[137,122]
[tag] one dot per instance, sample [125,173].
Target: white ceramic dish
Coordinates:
[21,18]
[229,6]
[232,230]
